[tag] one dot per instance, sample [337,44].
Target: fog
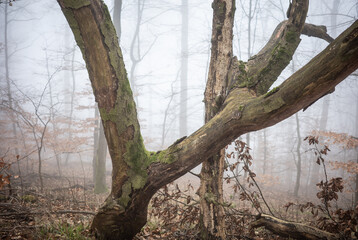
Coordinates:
[48,108]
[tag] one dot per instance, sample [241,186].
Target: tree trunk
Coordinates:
[135,53]
[138,174]
[117,17]
[299,162]
[8,84]
[326,101]
[100,163]
[265,153]
[356,135]
[212,218]
[184,69]
[95,141]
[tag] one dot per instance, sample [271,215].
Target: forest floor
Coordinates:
[66,205]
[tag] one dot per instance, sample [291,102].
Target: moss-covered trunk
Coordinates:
[96,36]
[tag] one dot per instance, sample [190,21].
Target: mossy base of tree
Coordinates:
[112,222]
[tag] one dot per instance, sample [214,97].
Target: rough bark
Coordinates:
[292,229]
[212,219]
[138,174]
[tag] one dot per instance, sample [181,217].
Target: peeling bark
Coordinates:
[212,214]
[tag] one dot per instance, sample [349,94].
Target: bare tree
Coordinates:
[246,106]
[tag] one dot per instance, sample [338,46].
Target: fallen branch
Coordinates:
[292,229]
[42,213]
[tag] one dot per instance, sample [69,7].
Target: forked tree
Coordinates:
[237,95]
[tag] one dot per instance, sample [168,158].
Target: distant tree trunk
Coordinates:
[265,152]
[212,216]
[184,69]
[299,162]
[72,101]
[356,135]
[7,77]
[95,141]
[100,163]
[248,106]
[135,50]
[53,121]
[315,175]
[99,156]
[248,142]
[117,18]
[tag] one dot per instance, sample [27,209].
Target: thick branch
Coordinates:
[243,112]
[264,68]
[292,229]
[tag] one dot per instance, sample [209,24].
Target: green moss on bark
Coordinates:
[76,4]
[276,103]
[274,90]
[291,36]
[75,29]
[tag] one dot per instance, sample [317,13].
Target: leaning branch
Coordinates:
[244,112]
[264,68]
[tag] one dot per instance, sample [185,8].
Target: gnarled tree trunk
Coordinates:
[137,173]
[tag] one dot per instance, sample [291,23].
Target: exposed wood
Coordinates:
[212,214]
[292,229]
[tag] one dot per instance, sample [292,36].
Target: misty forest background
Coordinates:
[51,136]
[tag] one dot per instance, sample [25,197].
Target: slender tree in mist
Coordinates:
[135,48]
[356,135]
[315,173]
[183,116]
[55,129]
[99,158]
[117,18]
[241,104]
[298,163]
[264,159]
[7,78]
